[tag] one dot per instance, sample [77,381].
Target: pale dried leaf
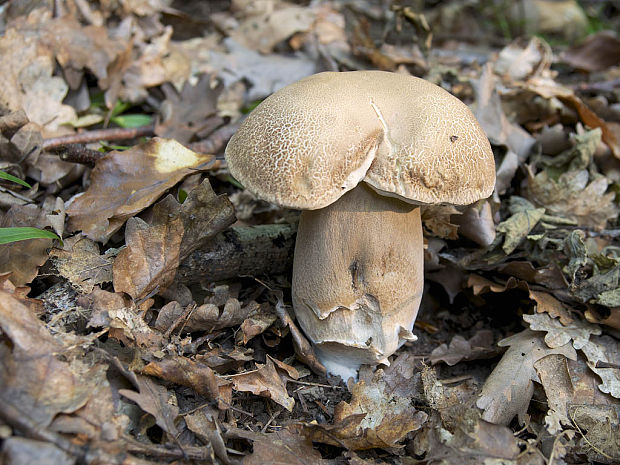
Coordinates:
[604,349]
[509,388]
[578,331]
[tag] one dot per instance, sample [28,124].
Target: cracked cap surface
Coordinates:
[312,141]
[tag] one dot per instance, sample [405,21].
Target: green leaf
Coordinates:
[518,226]
[119,108]
[132,120]
[10,177]
[8,235]
[182,195]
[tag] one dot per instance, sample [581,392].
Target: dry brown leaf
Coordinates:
[151,258]
[604,349]
[262,32]
[559,334]
[549,304]
[127,326]
[226,361]
[555,378]
[32,379]
[548,88]
[258,323]
[81,262]
[549,275]
[598,52]
[196,375]
[27,76]
[500,130]
[125,183]
[155,399]
[190,112]
[379,414]
[509,388]
[436,221]
[78,47]
[613,319]
[480,345]
[283,447]
[264,381]
[203,423]
[20,293]
[476,223]
[481,285]
[24,258]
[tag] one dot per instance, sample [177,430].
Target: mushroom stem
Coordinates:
[358,278]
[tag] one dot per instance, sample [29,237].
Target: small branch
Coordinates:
[76,153]
[241,251]
[96,135]
[216,141]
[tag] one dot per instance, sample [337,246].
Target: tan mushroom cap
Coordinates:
[312,141]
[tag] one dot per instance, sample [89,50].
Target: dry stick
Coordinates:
[70,148]
[241,251]
[110,134]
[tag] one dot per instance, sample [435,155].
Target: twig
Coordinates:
[241,251]
[216,140]
[306,383]
[601,364]
[110,134]
[76,153]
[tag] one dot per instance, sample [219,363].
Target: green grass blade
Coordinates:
[8,235]
[10,177]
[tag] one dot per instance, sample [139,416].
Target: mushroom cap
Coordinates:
[314,140]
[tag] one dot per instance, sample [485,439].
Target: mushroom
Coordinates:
[359,152]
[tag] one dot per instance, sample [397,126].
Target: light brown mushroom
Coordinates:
[359,152]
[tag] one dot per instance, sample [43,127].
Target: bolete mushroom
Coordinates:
[358,152]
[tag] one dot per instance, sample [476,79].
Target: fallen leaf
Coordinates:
[598,52]
[265,73]
[604,349]
[379,414]
[155,399]
[555,378]
[559,334]
[203,423]
[549,304]
[258,323]
[436,220]
[283,447]
[151,258]
[190,112]
[24,258]
[125,183]
[186,372]
[509,388]
[518,226]
[500,130]
[477,347]
[263,31]
[600,429]
[127,326]
[28,77]
[266,382]
[81,262]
